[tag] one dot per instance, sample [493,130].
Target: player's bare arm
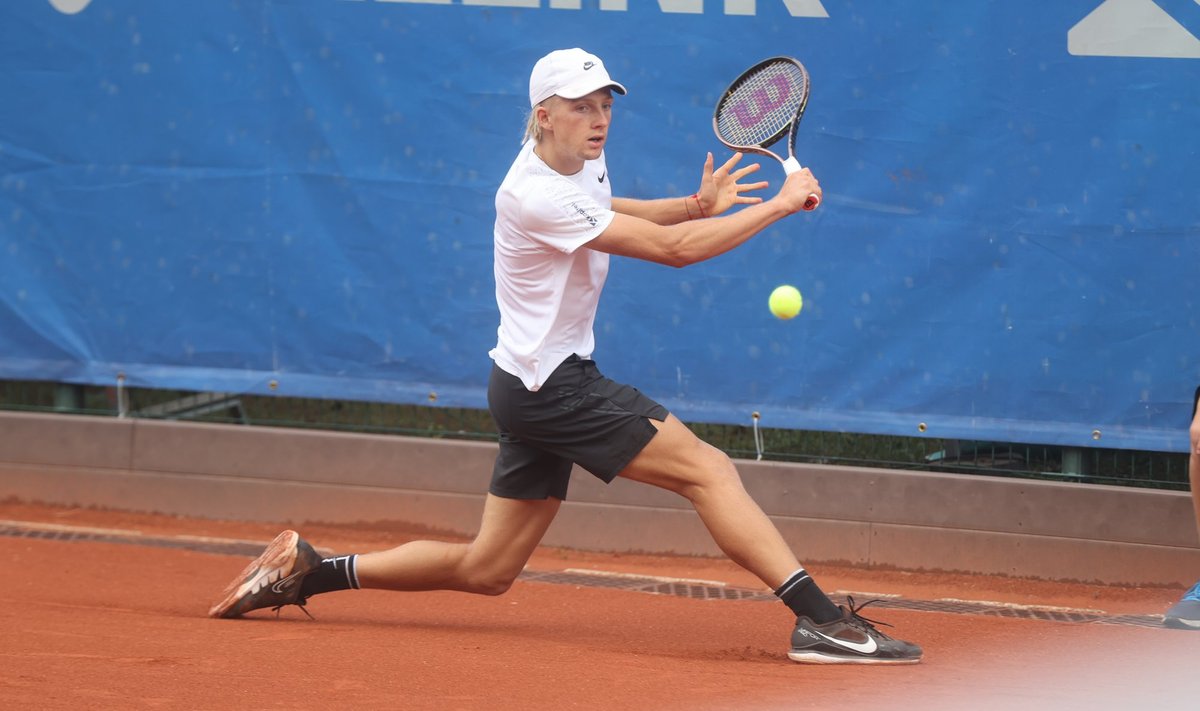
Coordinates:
[689,242]
[720,190]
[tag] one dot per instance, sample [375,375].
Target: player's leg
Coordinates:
[289,571]
[1185,614]
[1194,457]
[676,460]
[508,534]
[528,486]
[679,461]
[613,430]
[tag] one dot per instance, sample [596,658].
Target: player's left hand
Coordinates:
[722,188]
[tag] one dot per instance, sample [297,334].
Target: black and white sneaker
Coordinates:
[852,639]
[271,580]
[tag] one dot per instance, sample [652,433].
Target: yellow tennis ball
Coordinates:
[785,302]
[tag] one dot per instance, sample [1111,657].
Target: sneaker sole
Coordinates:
[1181,624]
[280,555]
[819,658]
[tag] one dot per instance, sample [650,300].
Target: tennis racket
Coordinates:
[762,106]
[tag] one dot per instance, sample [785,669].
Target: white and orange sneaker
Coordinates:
[271,580]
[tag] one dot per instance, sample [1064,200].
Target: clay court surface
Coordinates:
[106,610]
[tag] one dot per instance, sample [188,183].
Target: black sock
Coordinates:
[800,593]
[333,574]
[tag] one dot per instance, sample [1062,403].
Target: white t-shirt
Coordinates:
[548,288]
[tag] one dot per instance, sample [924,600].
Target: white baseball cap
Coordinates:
[569,73]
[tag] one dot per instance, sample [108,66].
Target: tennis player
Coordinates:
[1185,614]
[557,225]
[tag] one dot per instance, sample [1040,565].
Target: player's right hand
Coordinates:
[798,188]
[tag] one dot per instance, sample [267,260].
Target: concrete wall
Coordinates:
[867,517]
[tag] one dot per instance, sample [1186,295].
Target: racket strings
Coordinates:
[759,109]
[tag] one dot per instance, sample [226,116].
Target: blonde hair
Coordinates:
[533,129]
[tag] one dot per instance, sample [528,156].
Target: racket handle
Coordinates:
[791,165]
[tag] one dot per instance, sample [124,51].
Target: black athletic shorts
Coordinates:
[578,416]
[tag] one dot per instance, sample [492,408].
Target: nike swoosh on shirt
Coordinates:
[602,176]
[867,647]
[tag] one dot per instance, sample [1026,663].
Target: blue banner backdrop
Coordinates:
[226,194]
